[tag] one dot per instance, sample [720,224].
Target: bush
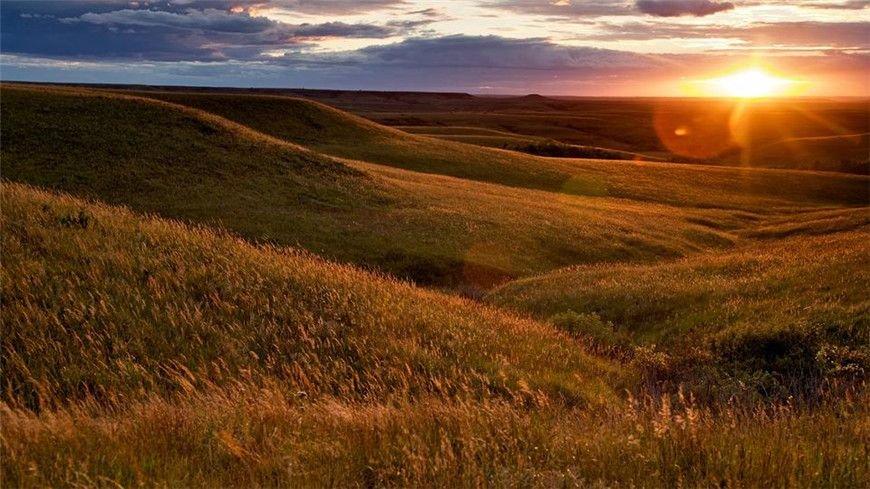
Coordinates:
[843,361]
[590,327]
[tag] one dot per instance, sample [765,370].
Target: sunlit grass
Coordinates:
[141,351]
[248,437]
[708,330]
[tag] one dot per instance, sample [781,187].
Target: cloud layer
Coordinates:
[487,45]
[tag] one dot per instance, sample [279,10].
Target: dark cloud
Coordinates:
[564,9]
[677,8]
[206,20]
[849,5]
[334,7]
[178,32]
[842,35]
[487,52]
[340,29]
[467,63]
[427,12]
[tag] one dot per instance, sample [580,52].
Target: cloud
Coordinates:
[323,7]
[207,20]
[564,8]
[177,34]
[677,8]
[848,5]
[488,52]
[809,35]
[834,34]
[340,29]
[466,63]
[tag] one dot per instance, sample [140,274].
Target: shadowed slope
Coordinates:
[184,163]
[342,134]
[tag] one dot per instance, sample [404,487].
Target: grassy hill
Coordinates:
[338,133]
[153,303]
[782,312]
[144,351]
[192,297]
[184,163]
[342,134]
[757,282]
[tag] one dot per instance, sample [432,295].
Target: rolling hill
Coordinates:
[155,301]
[206,290]
[138,350]
[184,163]
[782,312]
[338,133]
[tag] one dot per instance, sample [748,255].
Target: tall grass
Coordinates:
[100,305]
[777,317]
[138,350]
[267,437]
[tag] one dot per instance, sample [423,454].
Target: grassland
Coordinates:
[807,134]
[775,315]
[143,351]
[769,282]
[815,134]
[435,230]
[206,290]
[340,134]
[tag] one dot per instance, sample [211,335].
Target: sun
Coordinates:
[748,83]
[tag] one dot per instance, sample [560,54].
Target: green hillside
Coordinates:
[342,134]
[337,133]
[151,300]
[184,163]
[801,278]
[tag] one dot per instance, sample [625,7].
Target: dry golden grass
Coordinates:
[99,304]
[247,436]
[142,351]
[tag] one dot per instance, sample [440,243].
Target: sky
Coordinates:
[551,47]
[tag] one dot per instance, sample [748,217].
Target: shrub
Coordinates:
[590,327]
[843,361]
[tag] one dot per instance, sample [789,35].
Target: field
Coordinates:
[828,134]
[214,289]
